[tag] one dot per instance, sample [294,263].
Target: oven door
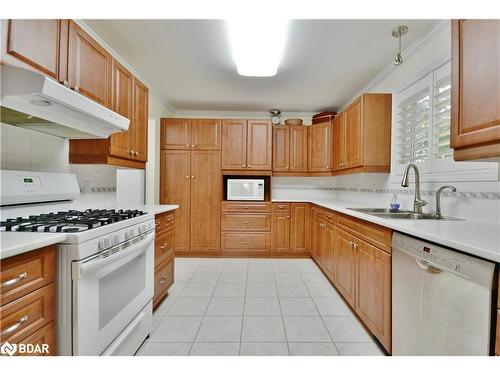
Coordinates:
[109,290]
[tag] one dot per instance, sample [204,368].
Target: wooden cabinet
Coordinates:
[361,136]
[190,134]
[164,255]
[280,228]
[40,45]
[345,265]
[28,298]
[205,201]
[89,66]
[299,228]
[475,89]
[317,234]
[192,180]
[246,145]
[327,253]
[246,228]
[373,289]
[138,130]
[319,146]
[289,149]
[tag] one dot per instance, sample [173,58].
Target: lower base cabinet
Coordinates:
[164,256]
[345,265]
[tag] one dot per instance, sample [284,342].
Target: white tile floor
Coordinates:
[255,307]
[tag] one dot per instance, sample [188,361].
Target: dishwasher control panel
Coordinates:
[437,256]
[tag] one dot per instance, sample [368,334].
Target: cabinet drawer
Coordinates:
[375,234]
[164,278]
[26,315]
[46,335]
[241,242]
[246,222]
[164,221]
[22,274]
[329,217]
[246,206]
[281,207]
[317,212]
[164,245]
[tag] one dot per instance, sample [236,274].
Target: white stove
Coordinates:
[105,265]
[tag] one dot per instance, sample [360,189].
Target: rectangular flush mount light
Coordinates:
[257,47]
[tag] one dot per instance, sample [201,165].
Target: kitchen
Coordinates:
[193,200]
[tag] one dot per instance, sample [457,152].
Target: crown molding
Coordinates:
[153,91]
[408,52]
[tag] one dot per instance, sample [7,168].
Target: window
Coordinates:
[421,119]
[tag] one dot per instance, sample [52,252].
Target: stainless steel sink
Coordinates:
[401,215]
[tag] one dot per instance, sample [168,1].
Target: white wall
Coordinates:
[478,199]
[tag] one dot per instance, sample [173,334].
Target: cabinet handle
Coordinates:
[243,165]
[77,89]
[187,177]
[248,165]
[163,279]
[192,176]
[244,242]
[163,246]
[131,152]
[65,83]
[15,280]
[246,207]
[136,153]
[245,222]
[193,145]
[288,217]
[170,219]
[13,328]
[187,146]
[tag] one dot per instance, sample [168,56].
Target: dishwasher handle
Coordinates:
[427,267]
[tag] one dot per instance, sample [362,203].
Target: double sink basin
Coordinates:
[400,214]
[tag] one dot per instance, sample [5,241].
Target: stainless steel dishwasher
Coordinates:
[441,300]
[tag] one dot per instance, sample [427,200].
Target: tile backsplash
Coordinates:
[23,149]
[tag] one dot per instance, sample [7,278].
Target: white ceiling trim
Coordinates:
[151,88]
[410,50]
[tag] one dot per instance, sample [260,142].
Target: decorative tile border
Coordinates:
[446,193]
[104,189]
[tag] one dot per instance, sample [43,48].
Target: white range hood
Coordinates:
[33,101]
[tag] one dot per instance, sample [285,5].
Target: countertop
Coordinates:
[13,243]
[479,238]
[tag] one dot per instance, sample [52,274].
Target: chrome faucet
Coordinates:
[418,202]
[438,199]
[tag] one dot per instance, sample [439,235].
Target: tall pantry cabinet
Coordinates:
[190,173]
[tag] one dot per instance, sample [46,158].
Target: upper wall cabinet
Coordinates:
[319,145]
[289,149]
[39,45]
[361,136]
[475,89]
[190,134]
[89,66]
[247,145]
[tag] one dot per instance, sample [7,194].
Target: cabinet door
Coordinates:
[175,134]
[298,149]
[329,245]
[338,142]
[175,187]
[373,290]
[280,232]
[475,82]
[206,194]
[299,231]
[140,121]
[122,103]
[353,136]
[345,265]
[319,147]
[281,148]
[234,144]
[316,234]
[206,134]
[37,44]
[259,145]
[89,66]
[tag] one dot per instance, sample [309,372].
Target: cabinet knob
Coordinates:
[288,217]
[248,165]
[245,222]
[187,177]
[243,165]
[292,167]
[131,152]
[65,83]
[192,176]
[193,145]
[187,145]
[77,89]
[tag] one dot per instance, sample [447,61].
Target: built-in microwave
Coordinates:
[245,189]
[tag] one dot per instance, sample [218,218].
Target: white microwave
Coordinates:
[245,189]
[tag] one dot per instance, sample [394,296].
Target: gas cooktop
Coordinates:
[67,221]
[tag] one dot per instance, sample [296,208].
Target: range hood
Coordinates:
[32,101]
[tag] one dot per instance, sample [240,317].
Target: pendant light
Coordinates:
[398,32]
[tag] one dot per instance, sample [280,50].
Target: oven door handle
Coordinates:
[85,268]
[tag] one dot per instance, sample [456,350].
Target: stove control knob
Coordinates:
[143,228]
[129,234]
[104,243]
[116,239]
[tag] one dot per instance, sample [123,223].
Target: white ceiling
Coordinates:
[324,64]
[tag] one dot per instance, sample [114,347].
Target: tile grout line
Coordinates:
[243,312]
[281,311]
[203,317]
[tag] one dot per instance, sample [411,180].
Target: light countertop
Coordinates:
[13,243]
[479,238]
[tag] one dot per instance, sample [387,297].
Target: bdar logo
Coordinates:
[8,349]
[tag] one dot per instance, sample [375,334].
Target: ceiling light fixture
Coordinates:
[257,47]
[398,32]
